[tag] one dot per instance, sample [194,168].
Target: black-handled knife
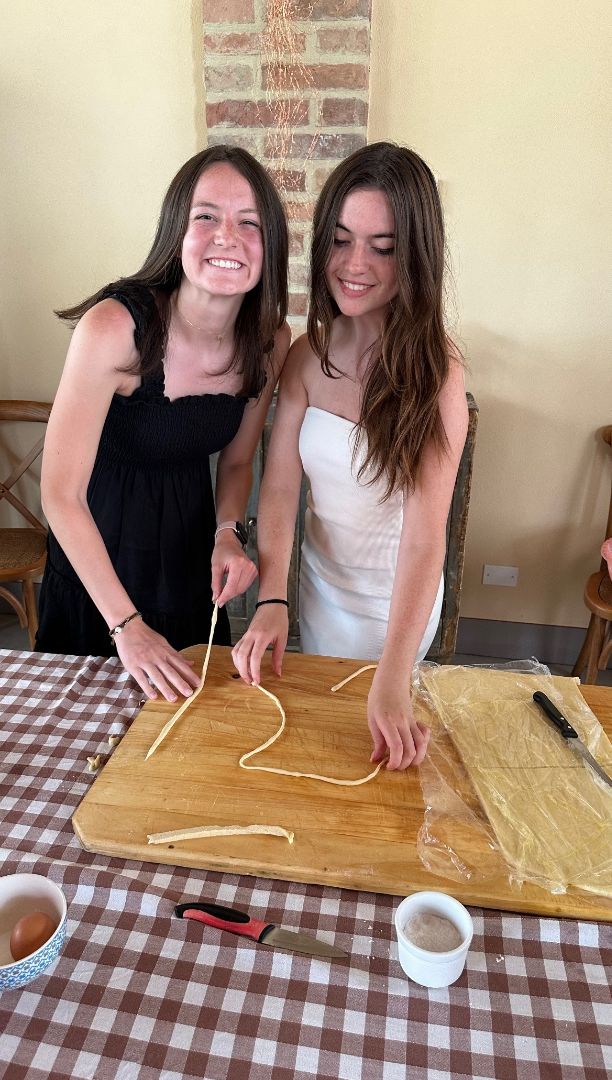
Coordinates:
[570,735]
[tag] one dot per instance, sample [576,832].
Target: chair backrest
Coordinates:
[443,645]
[23,412]
[607,438]
[606,435]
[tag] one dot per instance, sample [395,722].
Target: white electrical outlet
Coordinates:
[500,575]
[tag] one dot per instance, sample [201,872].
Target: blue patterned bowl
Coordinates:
[23,894]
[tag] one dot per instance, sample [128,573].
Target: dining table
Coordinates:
[138,994]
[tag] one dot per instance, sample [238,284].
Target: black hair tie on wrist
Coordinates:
[260,603]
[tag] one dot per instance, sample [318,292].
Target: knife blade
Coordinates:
[570,735]
[240,922]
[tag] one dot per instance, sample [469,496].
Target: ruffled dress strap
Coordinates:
[142,306]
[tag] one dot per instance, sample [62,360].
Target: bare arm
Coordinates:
[280,492]
[234,482]
[417,577]
[102,343]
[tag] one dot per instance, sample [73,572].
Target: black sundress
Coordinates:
[151,497]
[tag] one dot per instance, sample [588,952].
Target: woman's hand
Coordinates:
[392,724]
[155,665]
[232,565]
[269,626]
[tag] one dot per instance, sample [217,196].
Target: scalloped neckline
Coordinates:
[158,385]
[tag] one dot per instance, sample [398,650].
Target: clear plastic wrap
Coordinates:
[504,795]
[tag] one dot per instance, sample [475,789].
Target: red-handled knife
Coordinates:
[239,922]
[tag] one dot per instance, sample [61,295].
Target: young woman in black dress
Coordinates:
[165,367]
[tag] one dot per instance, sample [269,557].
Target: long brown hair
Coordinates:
[263,309]
[410,362]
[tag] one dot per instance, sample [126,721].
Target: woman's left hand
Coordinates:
[232,570]
[392,724]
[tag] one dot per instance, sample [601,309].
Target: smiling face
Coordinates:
[360,272]
[222,250]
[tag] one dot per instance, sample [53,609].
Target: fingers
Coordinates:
[164,679]
[159,682]
[247,654]
[267,628]
[157,667]
[409,746]
[216,577]
[406,741]
[236,584]
[145,684]
[239,573]
[421,735]
[401,750]
[278,651]
[241,654]
[380,745]
[169,675]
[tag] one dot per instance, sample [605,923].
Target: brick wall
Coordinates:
[288,81]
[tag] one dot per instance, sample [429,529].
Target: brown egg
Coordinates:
[30,933]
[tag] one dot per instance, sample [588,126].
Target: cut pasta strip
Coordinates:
[220,830]
[188,701]
[287,772]
[367,667]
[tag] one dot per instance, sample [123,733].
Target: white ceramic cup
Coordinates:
[433,968]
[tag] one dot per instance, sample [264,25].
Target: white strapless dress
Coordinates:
[350,548]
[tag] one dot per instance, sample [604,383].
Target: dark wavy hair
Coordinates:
[410,361]
[263,309]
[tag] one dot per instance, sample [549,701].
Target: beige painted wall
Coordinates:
[509,104]
[101,103]
[100,106]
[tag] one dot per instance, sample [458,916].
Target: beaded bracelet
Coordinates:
[260,603]
[122,625]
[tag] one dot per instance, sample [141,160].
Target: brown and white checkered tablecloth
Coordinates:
[137,994]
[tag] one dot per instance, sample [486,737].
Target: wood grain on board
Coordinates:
[352,837]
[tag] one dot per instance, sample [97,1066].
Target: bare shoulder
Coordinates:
[103,344]
[292,394]
[107,326]
[300,360]
[106,318]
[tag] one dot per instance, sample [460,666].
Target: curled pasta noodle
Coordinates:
[287,772]
[264,746]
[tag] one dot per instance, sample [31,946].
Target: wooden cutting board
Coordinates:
[352,837]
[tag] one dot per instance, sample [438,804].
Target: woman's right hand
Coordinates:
[155,665]
[269,626]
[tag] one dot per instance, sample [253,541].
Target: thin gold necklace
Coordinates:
[202,329]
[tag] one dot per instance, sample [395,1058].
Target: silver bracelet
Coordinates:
[122,625]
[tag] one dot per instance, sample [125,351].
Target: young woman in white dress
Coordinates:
[372,407]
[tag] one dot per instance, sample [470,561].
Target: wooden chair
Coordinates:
[22,550]
[597,647]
